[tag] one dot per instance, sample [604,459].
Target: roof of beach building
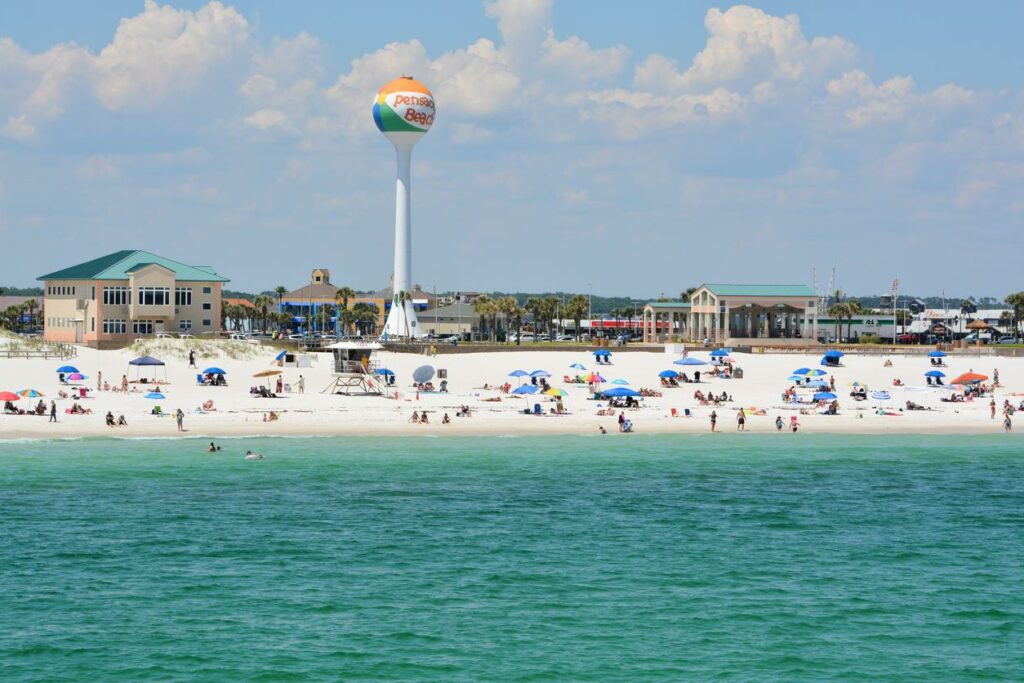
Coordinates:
[120,264]
[759,290]
[668,304]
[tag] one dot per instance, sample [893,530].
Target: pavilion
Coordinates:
[723,313]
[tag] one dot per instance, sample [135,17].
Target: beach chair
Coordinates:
[675,413]
[687,413]
[537,410]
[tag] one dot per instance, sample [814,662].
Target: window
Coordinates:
[117,296]
[183,296]
[184,325]
[207,307]
[93,294]
[206,323]
[143,326]
[154,296]
[207,290]
[115,326]
[92,324]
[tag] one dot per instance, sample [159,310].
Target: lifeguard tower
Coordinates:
[355,369]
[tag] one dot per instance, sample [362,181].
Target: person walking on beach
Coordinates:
[179,417]
[53,411]
[191,358]
[622,419]
[992,408]
[714,419]
[99,380]
[124,383]
[301,385]
[1007,422]
[741,421]
[778,423]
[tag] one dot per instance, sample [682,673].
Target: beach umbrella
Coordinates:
[602,353]
[619,381]
[423,373]
[668,374]
[267,373]
[817,384]
[156,395]
[969,378]
[832,353]
[385,372]
[936,354]
[578,366]
[689,361]
[525,389]
[721,352]
[145,361]
[560,393]
[824,396]
[619,392]
[519,373]
[594,378]
[9,396]
[810,372]
[540,373]
[30,393]
[881,395]
[67,368]
[75,377]
[935,373]
[214,371]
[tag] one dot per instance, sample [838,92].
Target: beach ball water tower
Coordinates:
[403,110]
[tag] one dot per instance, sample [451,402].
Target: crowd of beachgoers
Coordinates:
[119,393]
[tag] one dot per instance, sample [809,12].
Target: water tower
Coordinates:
[403,111]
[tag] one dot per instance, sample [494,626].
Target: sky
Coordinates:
[618,148]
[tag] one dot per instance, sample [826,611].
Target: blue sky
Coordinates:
[633,149]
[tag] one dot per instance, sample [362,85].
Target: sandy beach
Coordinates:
[238,413]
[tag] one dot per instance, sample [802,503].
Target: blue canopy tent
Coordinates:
[147,362]
[602,356]
[936,354]
[833,353]
[689,361]
[619,392]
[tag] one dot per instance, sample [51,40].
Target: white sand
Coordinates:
[315,413]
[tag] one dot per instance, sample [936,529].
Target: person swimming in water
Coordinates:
[213,448]
[249,455]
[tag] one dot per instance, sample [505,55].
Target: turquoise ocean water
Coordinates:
[654,558]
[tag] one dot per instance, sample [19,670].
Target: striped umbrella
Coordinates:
[30,393]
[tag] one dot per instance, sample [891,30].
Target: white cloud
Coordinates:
[97,168]
[266,119]
[470,133]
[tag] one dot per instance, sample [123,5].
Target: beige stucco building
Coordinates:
[128,294]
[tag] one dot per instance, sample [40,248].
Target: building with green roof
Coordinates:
[113,299]
[735,312]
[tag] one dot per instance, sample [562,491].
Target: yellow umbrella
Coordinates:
[556,392]
[267,373]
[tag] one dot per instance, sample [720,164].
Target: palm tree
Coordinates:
[1016,301]
[482,307]
[508,307]
[263,303]
[552,308]
[31,305]
[838,313]
[365,316]
[535,308]
[853,307]
[280,290]
[576,308]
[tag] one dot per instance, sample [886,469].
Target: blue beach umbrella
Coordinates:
[796,378]
[602,353]
[540,373]
[824,396]
[880,395]
[936,354]
[525,389]
[214,371]
[519,373]
[668,374]
[385,372]
[833,353]
[155,395]
[810,372]
[720,352]
[619,381]
[619,392]
[935,373]
[67,369]
[689,361]
[817,384]
[578,366]
[281,355]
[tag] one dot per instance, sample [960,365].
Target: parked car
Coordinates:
[972,338]
[906,338]
[239,336]
[1007,339]
[525,337]
[296,337]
